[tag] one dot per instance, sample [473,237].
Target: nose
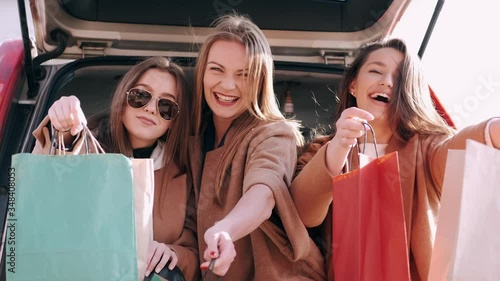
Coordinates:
[152,105]
[228,82]
[387,80]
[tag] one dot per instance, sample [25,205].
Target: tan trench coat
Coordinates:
[267,155]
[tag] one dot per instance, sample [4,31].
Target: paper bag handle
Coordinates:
[88,138]
[365,125]
[365,138]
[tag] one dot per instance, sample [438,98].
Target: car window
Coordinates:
[462,61]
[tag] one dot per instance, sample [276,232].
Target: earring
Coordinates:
[353,94]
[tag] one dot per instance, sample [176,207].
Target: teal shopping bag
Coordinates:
[71,217]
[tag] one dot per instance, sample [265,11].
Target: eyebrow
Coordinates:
[379,63]
[168,95]
[220,65]
[215,63]
[164,94]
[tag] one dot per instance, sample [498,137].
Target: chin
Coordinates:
[224,114]
[147,136]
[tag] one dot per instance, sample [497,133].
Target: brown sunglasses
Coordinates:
[138,98]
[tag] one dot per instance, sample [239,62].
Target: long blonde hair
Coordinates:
[260,98]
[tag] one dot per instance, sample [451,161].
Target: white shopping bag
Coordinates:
[467,245]
[143,173]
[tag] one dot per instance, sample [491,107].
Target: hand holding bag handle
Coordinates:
[365,138]
[90,142]
[210,269]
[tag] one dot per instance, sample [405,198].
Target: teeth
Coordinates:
[380,95]
[225,98]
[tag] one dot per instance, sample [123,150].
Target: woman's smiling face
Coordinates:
[224,80]
[374,84]
[145,125]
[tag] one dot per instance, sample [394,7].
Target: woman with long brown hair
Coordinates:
[384,86]
[147,119]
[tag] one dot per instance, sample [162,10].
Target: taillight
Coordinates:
[11,65]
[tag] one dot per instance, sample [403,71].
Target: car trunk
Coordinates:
[83,48]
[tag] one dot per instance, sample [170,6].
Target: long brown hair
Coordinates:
[260,98]
[411,108]
[114,135]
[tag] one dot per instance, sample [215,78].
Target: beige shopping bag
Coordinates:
[467,245]
[143,175]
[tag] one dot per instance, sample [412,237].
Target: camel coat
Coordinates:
[280,248]
[422,164]
[173,222]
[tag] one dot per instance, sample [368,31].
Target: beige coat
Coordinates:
[267,155]
[173,223]
[422,163]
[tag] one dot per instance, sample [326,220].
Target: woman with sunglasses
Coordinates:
[147,119]
[248,227]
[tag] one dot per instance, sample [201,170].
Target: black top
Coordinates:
[209,136]
[144,152]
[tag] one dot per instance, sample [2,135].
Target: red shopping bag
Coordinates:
[369,231]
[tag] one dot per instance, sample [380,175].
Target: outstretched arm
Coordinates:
[486,132]
[254,207]
[270,160]
[495,132]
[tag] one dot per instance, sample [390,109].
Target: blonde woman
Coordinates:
[247,223]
